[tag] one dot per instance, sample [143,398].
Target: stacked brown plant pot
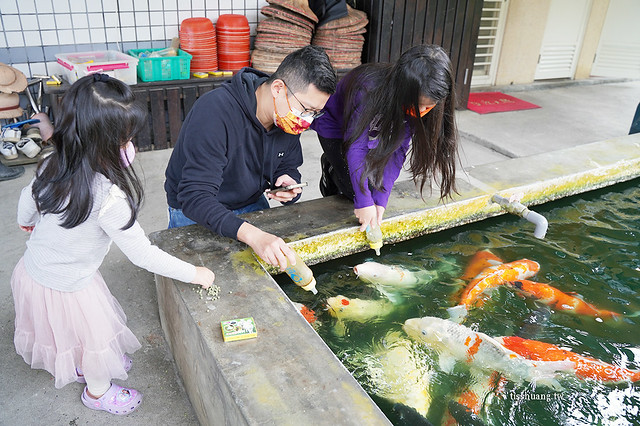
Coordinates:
[288,27]
[343,39]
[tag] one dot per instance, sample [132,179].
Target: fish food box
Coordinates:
[238,329]
[111,62]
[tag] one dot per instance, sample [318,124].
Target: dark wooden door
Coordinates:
[396,25]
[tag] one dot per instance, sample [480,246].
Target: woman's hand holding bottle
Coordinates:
[369,216]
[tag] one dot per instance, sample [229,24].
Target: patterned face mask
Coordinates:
[291,123]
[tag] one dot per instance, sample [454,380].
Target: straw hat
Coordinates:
[11,79]
[10,105]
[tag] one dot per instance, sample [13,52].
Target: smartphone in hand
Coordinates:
[286,188]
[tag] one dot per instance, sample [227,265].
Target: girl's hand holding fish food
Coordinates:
[204,277]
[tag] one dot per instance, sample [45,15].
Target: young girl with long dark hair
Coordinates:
[84,197]
[378,114]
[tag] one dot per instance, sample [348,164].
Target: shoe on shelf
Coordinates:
[117,400]
[34,133]
[28,147]
[8,150]
[10,134]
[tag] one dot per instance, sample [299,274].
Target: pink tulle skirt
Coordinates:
[61,331]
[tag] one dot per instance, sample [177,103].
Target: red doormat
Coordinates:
[487,102]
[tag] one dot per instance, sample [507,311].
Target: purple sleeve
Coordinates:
[355,159]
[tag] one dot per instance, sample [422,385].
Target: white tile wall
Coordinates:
[33,31]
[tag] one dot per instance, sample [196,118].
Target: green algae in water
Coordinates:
[592,248]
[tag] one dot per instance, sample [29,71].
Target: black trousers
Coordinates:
[335,171]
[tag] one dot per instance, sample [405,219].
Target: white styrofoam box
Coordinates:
[113,63]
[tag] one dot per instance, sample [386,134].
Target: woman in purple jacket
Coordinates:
[371,122]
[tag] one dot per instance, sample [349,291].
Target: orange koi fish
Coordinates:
[561,301]
[492,277]
[308,314]
[586,367]
[479,262]
[466,408]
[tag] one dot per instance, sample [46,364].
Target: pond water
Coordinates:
[592,248]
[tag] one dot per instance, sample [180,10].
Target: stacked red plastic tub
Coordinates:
[198,37]
[233,42]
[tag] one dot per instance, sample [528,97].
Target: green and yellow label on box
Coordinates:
[238,329]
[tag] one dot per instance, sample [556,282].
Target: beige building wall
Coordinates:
[591,38]
[521,42]
[523,35]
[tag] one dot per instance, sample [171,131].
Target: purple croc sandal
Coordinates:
[117,400]
[126,362]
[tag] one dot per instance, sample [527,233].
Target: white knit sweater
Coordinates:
[66,259]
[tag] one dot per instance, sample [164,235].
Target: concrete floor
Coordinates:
[570,115]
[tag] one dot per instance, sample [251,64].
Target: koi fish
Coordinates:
[360,310]
[307,313]
[585,367]
[489,278]
[466,408]
[479,262]
[561,301]
[396,375]
[390,279]
[388,275]
[482,351]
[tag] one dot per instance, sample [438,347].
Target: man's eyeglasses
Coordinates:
[306,112]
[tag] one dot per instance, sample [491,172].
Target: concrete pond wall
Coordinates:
[288,375]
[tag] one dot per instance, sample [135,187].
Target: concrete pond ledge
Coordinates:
[288,375]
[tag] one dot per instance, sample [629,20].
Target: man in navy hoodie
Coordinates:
[242,139]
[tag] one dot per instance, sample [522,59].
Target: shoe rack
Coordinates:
[34,93]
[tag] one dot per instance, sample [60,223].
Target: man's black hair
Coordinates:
[309,65]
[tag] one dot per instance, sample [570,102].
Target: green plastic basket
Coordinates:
[164,67]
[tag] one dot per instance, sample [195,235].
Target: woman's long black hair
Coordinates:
[98,116]
[423,70]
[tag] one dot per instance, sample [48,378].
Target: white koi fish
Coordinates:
[360,310]
[390,275]
[482,351]
[389,279]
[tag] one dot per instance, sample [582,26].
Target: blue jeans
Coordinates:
[178,219]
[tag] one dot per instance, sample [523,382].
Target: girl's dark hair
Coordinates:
[98,115]
[388,91]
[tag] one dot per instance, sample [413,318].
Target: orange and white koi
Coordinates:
[489,278]
[561,301]
[479,262]
[585,367]
[450,339]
